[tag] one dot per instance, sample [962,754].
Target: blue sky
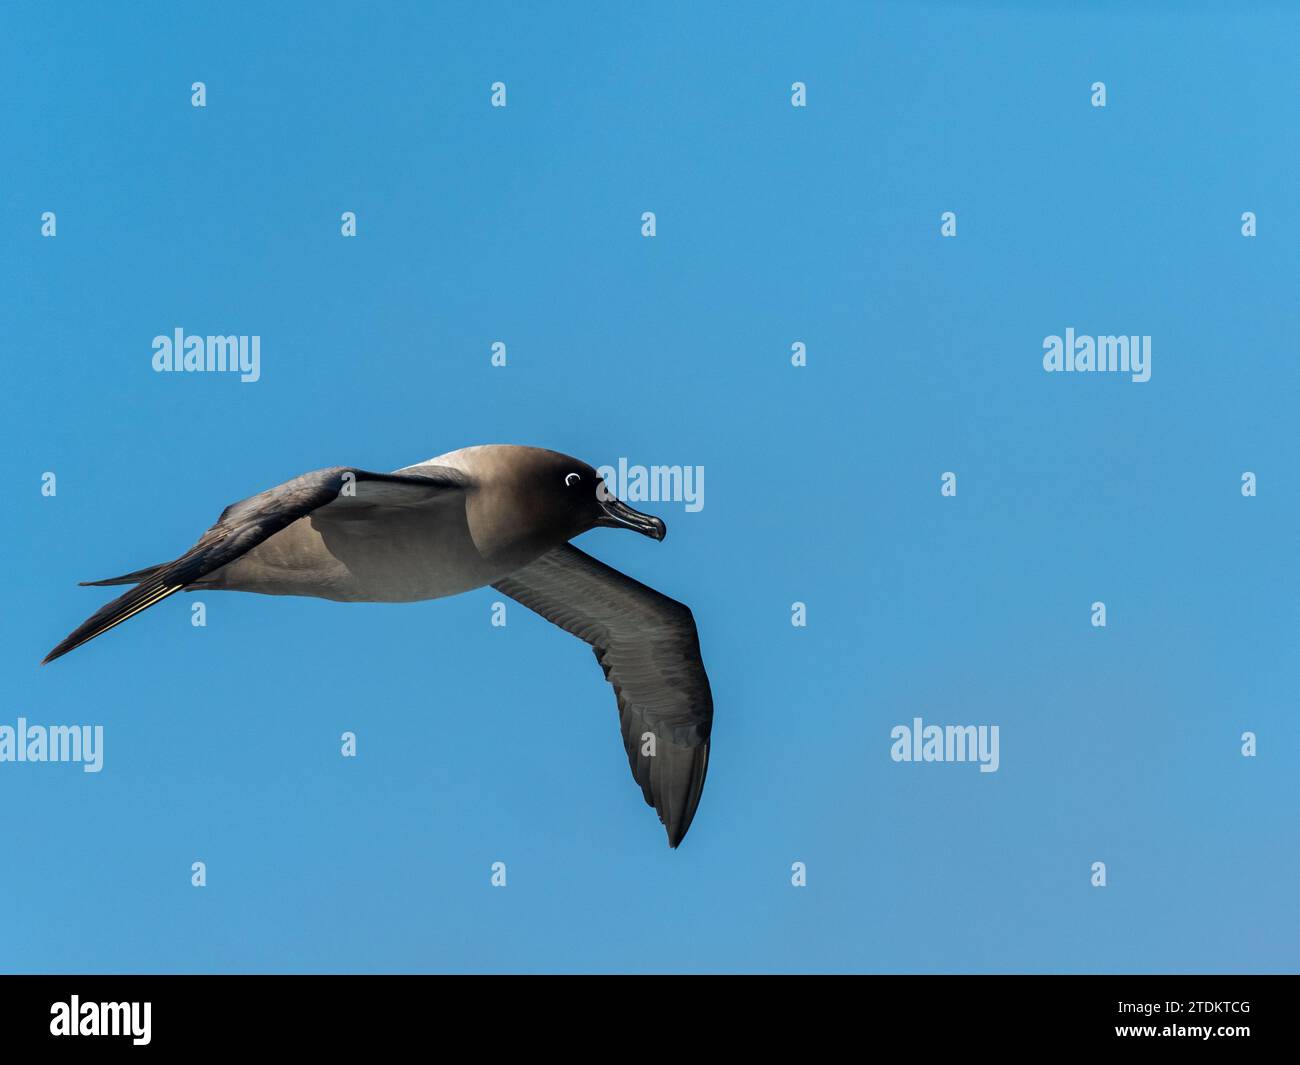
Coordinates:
[774,224]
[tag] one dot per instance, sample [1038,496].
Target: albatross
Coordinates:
[499,515]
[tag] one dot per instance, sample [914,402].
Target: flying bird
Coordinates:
[499,515]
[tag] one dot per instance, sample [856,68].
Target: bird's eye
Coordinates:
[570,479]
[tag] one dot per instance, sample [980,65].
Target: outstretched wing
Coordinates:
[244,525]
[650,651]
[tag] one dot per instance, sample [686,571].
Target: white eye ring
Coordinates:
[569,478]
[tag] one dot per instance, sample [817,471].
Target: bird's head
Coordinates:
[551,494]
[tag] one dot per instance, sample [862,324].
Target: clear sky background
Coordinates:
[775,225]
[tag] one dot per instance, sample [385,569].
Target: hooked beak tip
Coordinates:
[618,515]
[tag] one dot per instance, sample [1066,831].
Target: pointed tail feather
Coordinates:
[126,578]
[125,606]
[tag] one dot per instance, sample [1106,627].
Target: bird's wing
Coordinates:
[650,651]
[244,525]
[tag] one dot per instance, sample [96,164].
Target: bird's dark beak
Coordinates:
[615,514]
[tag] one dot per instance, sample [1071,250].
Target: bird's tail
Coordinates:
[152,585]
[126,578]
[125,606]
